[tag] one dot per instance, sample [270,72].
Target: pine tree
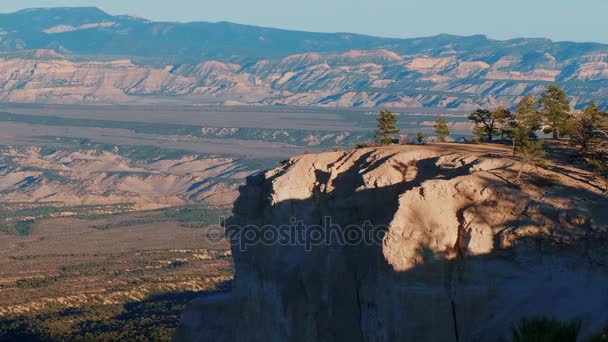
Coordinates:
[583,128]
[420,138]
[441,129]
[504,122]
[555,110]
[530,151]
[478,134]
[599,149]
[485,124]
[385,134]
[527,114]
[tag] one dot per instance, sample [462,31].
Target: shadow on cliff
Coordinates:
[355,291]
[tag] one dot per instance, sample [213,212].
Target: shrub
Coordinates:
[540,329]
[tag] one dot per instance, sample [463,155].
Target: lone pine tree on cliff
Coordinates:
[441,129]
[385,134]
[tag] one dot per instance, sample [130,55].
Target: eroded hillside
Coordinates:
[51,182]
[358,78]
[125,60]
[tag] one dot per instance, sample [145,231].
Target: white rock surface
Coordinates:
[465,255]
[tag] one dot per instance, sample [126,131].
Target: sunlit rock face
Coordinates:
[457,251]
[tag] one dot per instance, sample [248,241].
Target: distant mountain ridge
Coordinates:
[87,55]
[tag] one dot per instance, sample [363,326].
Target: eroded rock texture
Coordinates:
[464,254]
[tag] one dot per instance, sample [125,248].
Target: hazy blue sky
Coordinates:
[576,20]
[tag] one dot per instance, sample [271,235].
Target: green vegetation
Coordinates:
[196,215]
[583,128]
[555,111]
[10,215]
[587,129]
[24,227]
[128,223]
[504,122]
[33,283]
[522,130]
[193,216]
[484,124]
[420,138]
[527,114]
[385,134]
[441,129]
[529,150]
[542,329]
[489,123]
[153,319]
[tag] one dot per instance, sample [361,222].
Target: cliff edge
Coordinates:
[409,243]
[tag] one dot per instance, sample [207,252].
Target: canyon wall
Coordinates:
[459,252]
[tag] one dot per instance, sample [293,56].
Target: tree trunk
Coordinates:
[521,170]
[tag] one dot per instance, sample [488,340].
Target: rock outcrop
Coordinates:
[457,252]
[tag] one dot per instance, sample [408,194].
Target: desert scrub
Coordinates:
[196,216]
[34,283]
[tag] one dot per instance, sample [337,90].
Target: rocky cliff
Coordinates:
[456,250]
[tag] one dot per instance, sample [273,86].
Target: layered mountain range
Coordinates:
[81,55]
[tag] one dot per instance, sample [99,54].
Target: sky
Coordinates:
[562,20]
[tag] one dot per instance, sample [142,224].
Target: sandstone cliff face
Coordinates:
[463,255]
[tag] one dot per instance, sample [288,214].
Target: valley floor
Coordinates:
[74,278]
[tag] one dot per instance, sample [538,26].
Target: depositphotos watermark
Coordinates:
[297,233]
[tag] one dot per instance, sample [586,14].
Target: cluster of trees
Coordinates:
[387,129]
[587,129]
[550,113]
